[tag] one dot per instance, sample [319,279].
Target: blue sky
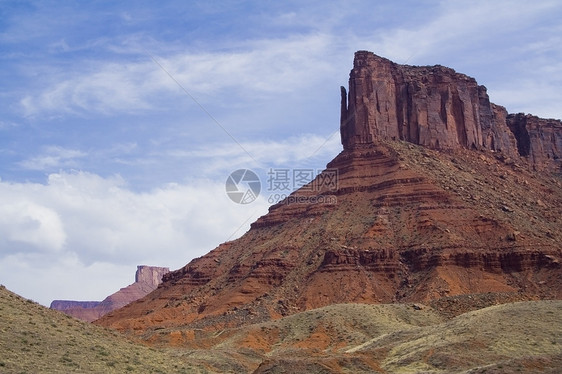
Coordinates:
[121,121]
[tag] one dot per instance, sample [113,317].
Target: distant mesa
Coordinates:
[147,279]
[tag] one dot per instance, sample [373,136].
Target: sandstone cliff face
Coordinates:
[436,107]
[538,139]
[150,276]
[147,279]
[409,225]
[402,223]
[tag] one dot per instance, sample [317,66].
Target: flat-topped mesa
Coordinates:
[147,279]
[433,106]
[150,275]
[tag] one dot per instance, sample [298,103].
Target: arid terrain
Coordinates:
[35,339]
[430,244]
[523,337]
[439,198]
[421,226]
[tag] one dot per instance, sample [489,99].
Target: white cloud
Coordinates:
[451,32]
[293,149]
[530,96]
[92,220]
[86,223]
[66,278]
[30,226]
[254,68]
[107,88]
[219,159]
[53,157]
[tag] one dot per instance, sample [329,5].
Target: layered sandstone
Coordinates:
[437,107]
[387,221]
[538,139]
[147,279]
[398,231]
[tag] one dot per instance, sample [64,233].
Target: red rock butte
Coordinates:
[436,107]
[441,198]
[147,278]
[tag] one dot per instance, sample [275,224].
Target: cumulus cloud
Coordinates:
[28,226]
[81,220]
[93,220]
[44,279]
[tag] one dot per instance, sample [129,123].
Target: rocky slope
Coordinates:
[341,338]
[147,278]
[35,339]
[441,209]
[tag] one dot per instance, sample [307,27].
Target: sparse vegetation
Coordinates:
[34,339]
[516,337]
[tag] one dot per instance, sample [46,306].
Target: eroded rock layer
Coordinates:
[388,233]
[387,221]
[436,107]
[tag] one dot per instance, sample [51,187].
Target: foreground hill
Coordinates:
[342,338]
[351,338]
[35,339]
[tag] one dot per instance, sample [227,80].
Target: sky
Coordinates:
[120,122]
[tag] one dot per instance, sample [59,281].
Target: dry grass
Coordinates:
[34,339]
[518,337]
[505,336]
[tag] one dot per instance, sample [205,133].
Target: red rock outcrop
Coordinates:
[147,279]
[387,221]
[436,107]
[398,231]
[538,139]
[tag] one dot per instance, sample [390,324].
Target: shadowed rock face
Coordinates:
[402,223]
[147,279]
[538,139]
[436,107]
